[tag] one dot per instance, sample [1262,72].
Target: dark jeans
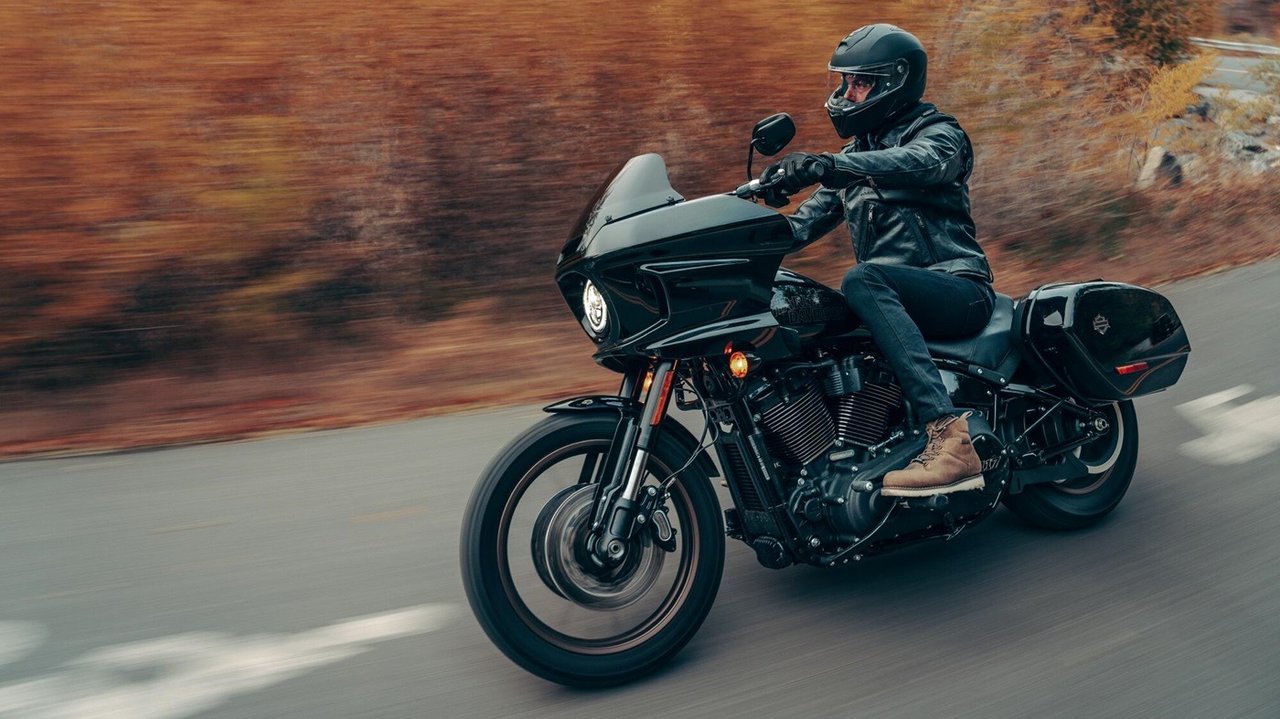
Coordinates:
[901,305]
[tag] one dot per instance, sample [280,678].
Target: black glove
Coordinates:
[799,170]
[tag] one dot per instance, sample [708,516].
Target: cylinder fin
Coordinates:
[862,418]
[800,428]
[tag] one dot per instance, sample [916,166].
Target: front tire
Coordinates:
[613,629]
[1111,459]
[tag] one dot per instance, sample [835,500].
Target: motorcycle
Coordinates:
[593,545]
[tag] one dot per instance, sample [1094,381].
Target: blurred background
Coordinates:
[222,218]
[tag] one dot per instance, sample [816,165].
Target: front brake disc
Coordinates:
[564,523]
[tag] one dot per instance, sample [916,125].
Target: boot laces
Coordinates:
[933,448]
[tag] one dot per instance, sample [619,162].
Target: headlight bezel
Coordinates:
[595,309]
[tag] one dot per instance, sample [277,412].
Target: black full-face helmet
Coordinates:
[888,59]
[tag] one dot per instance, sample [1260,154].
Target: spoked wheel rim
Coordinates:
[597,618]
[1099,456]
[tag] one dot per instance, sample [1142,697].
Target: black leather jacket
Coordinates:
[905,197]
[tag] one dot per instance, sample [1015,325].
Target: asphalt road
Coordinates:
[1236,73]
[316,576]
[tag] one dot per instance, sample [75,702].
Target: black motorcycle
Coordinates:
[593,546]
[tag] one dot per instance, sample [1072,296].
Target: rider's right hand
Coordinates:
[797,171]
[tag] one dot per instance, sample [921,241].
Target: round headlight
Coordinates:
[594,308]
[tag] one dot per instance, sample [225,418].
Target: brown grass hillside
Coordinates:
[221,217]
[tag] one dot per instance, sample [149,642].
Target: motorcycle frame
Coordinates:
[753,477]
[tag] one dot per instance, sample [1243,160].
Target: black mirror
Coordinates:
[773,133]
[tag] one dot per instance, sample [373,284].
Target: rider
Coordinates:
[901,184]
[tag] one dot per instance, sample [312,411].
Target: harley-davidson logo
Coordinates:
[1101,325]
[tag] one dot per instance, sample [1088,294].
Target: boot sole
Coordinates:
[966,484]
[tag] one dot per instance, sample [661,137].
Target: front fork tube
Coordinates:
[620,506]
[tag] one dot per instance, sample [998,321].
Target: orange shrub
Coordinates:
[251,177]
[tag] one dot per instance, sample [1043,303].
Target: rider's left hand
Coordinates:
[799,170]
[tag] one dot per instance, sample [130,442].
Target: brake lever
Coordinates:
[772,195]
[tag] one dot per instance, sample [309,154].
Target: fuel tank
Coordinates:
[808,307]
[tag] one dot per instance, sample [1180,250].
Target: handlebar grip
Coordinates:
[768,191]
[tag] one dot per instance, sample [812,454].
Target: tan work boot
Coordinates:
[947,464]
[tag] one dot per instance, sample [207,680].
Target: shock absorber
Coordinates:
[618,510]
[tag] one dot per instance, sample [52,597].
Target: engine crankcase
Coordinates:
[854,506]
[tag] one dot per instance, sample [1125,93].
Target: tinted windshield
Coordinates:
[640,184]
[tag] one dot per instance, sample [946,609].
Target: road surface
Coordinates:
[316,576]
[1238,73]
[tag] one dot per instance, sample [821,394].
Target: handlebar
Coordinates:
[770,192]
[749,189]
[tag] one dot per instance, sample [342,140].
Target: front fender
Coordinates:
[630,408]
[596,403]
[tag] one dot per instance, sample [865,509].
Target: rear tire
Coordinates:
[520,615]
[1111,458]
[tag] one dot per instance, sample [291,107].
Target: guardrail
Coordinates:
[1236,46]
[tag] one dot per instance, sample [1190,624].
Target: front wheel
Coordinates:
[1073,504]
[536,596]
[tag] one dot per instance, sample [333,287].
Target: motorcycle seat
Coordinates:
[993,348]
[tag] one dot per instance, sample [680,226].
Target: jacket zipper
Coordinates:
[863,241]
[924,237]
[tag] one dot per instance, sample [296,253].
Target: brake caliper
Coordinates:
[653,516]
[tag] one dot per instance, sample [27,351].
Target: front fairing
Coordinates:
[678,276]
[637,185]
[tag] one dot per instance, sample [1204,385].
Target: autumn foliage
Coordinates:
[1158,30]
[208,178]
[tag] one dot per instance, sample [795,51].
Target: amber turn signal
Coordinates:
[739,365]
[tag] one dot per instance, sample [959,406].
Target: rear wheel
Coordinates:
[1072,504]
[535,592]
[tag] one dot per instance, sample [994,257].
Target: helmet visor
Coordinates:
[852,87]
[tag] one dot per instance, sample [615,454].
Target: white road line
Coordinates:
[185,674]
[18,639]
[1233,433]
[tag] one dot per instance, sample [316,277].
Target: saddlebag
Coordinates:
[1104,341]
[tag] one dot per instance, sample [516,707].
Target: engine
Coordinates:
[843,409]
[821,423]
[833,430]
